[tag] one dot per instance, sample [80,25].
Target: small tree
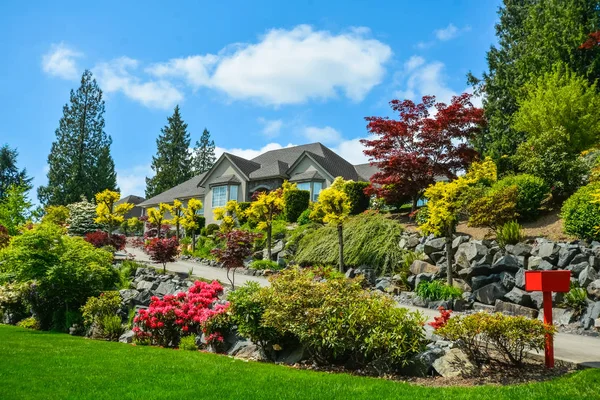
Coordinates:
[163,250]
[156,216]
[132,225]
[193,220]
[262,211]
[81,218]
[238,246]
[334,205]
[109,214]
[176,210]
[15,209]
[228,215]
[57,215]
[446,202]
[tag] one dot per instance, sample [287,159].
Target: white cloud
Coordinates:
[352,151]
[447,33]
[193,69]
[250,153]
[422,78]
[133,180]
[414,62]
[292,66]
[61,61]
[118,76]
[271,127]
[326,134]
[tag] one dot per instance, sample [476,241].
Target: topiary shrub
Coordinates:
[359,201]
[304,218]
[341,323]
[211,229]
[581,215]
[369,239]
[188,343]
[296,202]
[81,218]
[531,192]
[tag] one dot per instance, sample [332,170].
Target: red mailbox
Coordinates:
[548,282]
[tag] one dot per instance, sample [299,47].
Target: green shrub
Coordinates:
[580,216]
[13,300]
[437,290]
[211,229]
[278,231]
[298,233]
[494,208]
[66,270]
[369,239]
[509,233]
[304,218]
[112,328]
[576,299]
[531,192]
[265,264]
[296,202]
[188,343]
[29,323]
[127,271]
[339,322]
[512,337]
[246,308]
[359,201]
[204,246]
[96,309]
[421,215]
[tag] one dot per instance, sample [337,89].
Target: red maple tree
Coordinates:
[418,147]
[592,41]
[238,246]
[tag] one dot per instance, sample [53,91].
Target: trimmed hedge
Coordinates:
[359,201]
[581,216]
[296,202]
[531,192]
[369,239]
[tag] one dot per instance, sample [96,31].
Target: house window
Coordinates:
[304,186]
[222,194]
[317,187]
[219,196]
[233,192]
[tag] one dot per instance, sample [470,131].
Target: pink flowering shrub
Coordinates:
[167,320]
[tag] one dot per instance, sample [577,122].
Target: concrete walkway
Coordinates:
[577,349]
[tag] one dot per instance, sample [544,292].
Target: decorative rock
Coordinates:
[490,293]
[587,276]
[537,298]
[127,296]
[518,296]
[595,262]
[483,307]
[165,288]
[548,251]
[143,298]
[507,280]
[383,284]
[520,278]
[277,247]
[438,257]
[545,266]
[533,262]
[368,273]
[423,277]
[422,364]
[408,242]
[591,314]
[459,240]
[477,270]
[579,258]
[453,364]
[462,285]
[515,309]
[422,267]
[481,281]
[521,249]
[292,356]
[434,245]
[506,263]
[127,337]
[577,268]
[565,255]
[469,252]
[593,290]
[146,285]
[350,273]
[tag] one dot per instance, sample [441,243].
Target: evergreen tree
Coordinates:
[533,36]
[9,173]
[171,164]
[80,162]
[204,154]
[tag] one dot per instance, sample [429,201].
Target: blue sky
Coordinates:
[259,75]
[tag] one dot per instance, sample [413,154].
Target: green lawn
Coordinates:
[41,365]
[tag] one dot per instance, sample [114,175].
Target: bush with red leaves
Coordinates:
[101,239]
[442,320]
[163,250]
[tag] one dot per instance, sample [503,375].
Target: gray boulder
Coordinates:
[533,262]
[476,270]
[587,276]
[481,281]
[507,280]
[490,293]
[518,296]
[565,255]
[577,268]
[459,240]
[462,285]
[521,249]
[470,252]
[454,363]
[593,290]
[423,267]
[292,356]
[423,278]
[127,337]
[545,266]
[537,298]
[383,284]
[547,251]
[422,364]
[515,309]
[408,242]
[434,245]
[591,314]
[579,258]
[127,296]
[520,278]
[165,288]
[506,263]
[147,285]
[595,262]
[143,298]
[368,273]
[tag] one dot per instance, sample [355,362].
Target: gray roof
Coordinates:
[184,190]
[130,199]
[365,171]
[246,166]
[225,179]
[278,168]
[330,161]
[307,176]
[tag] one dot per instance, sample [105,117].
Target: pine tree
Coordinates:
[171,164]
[9,173]
[204,154]
[80,161]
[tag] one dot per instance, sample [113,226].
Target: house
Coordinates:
[136,211]
[312,167]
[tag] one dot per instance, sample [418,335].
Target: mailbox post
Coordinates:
[548,282]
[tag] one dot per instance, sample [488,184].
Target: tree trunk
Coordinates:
[449,258]
[177,231]
[415,200]
[193,242]
[232,279]
[269,241]
[340,229]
